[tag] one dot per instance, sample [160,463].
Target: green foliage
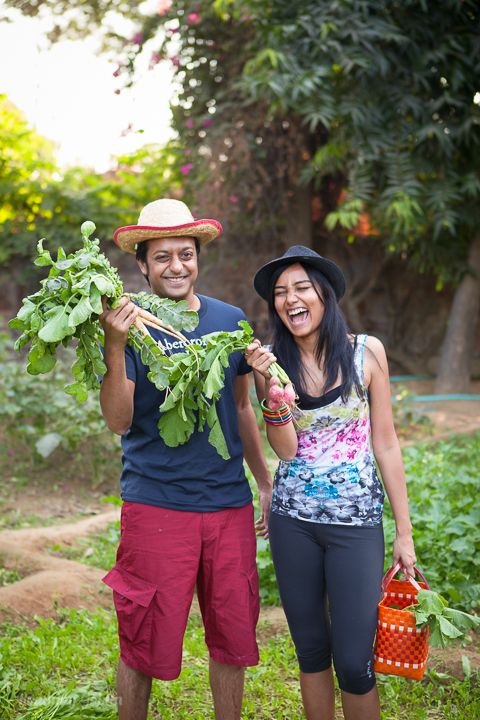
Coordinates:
[443,486]
[76,652]
[445,624]
[98,549]
[68,306]
[36,414]
[8,577]
[39,200]
[402,151]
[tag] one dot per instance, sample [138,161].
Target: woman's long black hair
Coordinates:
[333,344]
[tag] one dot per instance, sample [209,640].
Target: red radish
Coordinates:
[275,393]
[289,394]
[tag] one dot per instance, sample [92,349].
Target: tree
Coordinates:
[374,105]
[390,94]
[39,200]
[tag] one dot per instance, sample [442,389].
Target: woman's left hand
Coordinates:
[404,553]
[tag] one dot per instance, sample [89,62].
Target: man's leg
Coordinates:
[226,682]
[133,693]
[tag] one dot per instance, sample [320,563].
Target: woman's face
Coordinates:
[297,302]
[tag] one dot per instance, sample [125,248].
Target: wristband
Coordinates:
[282,416]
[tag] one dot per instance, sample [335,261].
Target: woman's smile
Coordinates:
[297,301]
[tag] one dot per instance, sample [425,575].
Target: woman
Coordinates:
[325,524]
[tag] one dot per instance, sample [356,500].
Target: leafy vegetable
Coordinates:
[67,309]
[445,623]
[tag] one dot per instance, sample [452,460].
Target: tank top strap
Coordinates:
[359,352]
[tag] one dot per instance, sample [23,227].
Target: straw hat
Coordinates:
[165,218]
[267,274]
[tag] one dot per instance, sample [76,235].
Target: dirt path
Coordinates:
[49,582]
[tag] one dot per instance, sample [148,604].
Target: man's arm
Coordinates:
[116,392]
[252,449]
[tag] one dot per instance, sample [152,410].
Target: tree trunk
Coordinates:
[457,350]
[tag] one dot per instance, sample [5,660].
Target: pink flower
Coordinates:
[233,198]
[163,6]
[207,122]
[155,58]
[187,151]
[175,60]
[193,18]
[137,38]
[189,123]
[185,169]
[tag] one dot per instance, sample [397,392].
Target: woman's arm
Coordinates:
[282,438]
[387,452]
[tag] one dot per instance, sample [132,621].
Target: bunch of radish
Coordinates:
[279,394]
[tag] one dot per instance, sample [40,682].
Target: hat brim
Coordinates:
[128,237]
[262,281]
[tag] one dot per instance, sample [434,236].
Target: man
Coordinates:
[187,517]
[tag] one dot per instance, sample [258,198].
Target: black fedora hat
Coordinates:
[262,281]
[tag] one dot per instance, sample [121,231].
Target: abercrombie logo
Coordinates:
[179,344]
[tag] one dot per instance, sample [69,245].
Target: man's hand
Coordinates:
[116,323]
[265,500]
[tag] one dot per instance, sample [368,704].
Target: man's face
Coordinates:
[171,267]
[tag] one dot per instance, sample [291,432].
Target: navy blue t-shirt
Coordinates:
[192,476]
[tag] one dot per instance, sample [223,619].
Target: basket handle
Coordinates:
[392,571]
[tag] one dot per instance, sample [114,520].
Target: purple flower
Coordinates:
[137,38]
[189,123]
[207,122]
[185,169]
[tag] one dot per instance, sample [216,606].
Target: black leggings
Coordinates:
[329,578]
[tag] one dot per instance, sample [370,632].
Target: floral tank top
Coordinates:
[332,479]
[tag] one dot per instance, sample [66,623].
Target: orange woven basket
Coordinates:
[400,649]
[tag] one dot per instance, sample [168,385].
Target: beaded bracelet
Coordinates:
[282,416]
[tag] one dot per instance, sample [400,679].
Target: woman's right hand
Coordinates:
[259,358]
[116,322]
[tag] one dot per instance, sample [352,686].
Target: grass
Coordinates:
[64,668]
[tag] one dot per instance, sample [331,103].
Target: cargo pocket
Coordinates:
[133,599]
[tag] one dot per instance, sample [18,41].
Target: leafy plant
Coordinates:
[68,307]
[88,702]
[443,487]
[445,623]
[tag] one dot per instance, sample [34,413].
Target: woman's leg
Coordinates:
[299,567]
[318,695]
[353,570]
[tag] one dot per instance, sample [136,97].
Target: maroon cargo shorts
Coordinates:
[163,555]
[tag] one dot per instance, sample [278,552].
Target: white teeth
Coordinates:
[297,311]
